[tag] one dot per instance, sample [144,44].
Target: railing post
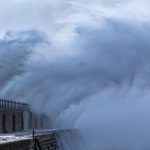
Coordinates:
[11,105]
[34,141]
[4,104]
[0,103]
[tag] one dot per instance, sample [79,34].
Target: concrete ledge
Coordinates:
[43,140]
[17,145]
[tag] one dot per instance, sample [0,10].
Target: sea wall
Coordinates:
[11,116]
[16,117]
[25,144]
[45,140]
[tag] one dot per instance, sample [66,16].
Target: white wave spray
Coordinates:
[87,67]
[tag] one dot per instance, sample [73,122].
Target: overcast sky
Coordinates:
[52,15]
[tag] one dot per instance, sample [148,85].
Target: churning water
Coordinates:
[86,64]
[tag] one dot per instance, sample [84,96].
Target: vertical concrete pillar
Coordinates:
[26,119]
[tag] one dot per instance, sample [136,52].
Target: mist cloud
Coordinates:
[85,63]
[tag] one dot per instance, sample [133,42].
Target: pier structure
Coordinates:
[58,139]
[23,129]
[16,117]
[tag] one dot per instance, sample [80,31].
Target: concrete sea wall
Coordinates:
[50,140]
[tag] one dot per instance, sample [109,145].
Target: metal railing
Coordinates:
[7,104]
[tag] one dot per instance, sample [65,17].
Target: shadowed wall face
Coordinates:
[11,121]
[15,117]
[11,116]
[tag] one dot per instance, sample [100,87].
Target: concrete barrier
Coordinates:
[25,144]
[44,140]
